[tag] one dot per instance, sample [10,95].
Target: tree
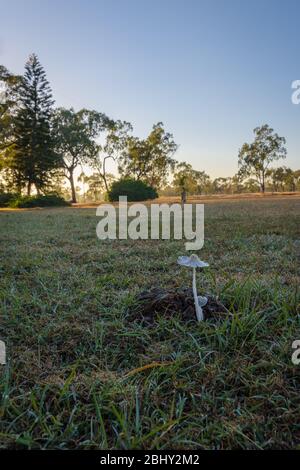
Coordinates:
[255,158]
[222,185]
[114,144]
[95,186]
[202,180]
[75,134]
[236,184]
[184,180]
[187,180]
[251,186]
[33,154]
[9,84]
[150,159]
[290,179]
[283,178]
[297,179]
[277,176]
[8,105]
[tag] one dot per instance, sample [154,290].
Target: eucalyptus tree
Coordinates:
[114,141]
[221,185]
[184,180]
[93,186]
[150,159]
[187,180]
[202,181]
[284,178]
[76,135]
[255,158]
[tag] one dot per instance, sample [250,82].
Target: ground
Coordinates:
[81,375]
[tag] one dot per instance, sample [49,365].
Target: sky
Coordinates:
[210,70]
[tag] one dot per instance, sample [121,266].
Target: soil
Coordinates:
[151,304]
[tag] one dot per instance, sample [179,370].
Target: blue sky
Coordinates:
[210,70]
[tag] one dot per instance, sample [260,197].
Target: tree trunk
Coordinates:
[28,188]
[105,182]
[104,173]
[262,184]
[183,197]
[71,179]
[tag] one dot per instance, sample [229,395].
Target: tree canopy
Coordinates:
[150,159]
[75,139]
[255,158]
[115,141]
[29,156]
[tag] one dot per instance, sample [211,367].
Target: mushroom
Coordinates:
[2,352]
[194,262]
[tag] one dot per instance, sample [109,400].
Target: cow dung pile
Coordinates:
[157,302]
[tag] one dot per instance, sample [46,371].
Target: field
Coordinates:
[81,375]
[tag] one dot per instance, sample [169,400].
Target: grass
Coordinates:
[80,375]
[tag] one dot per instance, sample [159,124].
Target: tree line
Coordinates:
[41,147]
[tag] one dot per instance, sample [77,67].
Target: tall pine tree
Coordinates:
[34,156]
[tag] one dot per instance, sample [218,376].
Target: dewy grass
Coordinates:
[79,375]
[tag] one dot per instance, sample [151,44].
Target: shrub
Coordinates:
[38,201]
[134,190]
[6,199]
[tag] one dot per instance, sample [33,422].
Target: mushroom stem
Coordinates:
[198,309]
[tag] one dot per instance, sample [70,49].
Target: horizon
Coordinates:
[186,67]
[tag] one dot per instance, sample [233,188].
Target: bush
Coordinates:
[6,199]
[38,201]
[134,190]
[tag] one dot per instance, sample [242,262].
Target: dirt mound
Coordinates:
[148,305]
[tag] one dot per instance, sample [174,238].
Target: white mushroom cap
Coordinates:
[192,261]
[202,301]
